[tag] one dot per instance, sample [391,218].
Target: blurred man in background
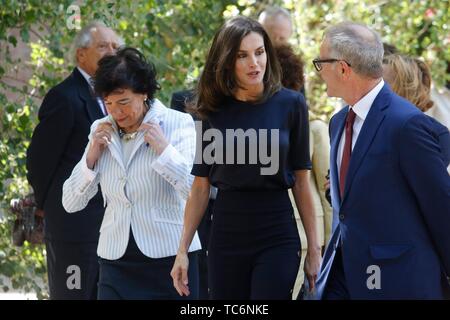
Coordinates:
[58,142]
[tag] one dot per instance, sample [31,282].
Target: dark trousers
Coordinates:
[204,231]
[72,270]
[254,246]
[336,288]
[138,277]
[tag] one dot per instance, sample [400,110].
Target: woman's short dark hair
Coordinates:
[127,69]
[218,79]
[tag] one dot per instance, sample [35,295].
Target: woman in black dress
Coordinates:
[254,148]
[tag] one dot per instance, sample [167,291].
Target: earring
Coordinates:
[146,104]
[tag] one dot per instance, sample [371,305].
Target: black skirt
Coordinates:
[137,277]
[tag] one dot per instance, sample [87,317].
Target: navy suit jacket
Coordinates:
[395,211]
[58,142]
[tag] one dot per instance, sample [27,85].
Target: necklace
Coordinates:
[132,135]
[127,136]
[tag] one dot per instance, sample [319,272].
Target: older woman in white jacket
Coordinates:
[141,154]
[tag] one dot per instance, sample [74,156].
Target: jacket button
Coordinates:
[341,216]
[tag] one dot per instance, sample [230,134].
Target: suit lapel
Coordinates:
[115,147]
[338,128]
[86,94]
[139,141]
[156,114]
[367,134]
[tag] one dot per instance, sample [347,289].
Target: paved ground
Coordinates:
[15,294]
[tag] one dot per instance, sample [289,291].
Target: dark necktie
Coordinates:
[347,150]
[103,107]
[100,102]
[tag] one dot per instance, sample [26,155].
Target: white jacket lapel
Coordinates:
[155,114]
[115,146]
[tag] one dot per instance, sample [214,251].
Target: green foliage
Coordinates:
[175,35]
[24,267]
[415,27]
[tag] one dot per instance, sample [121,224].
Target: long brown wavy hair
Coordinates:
[218,79]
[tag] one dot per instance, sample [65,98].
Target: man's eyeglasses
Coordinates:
[318,62]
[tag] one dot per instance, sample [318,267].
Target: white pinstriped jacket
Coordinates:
[149,192]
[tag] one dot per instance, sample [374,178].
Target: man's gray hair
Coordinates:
[84,36]
[273,12]
[357,44]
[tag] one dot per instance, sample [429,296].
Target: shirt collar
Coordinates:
[362,107]
[86,76]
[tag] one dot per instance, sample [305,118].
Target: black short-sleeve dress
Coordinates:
[250,152]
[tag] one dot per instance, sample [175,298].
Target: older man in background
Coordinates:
[58,142]
[278,24]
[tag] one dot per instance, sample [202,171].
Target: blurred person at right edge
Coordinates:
[410,78]
[441,97]
[319,148]
[441,106]
[440,109]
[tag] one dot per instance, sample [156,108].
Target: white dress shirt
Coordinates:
[146,192]
[89,81]
[361,108]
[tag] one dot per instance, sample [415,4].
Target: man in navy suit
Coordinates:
[389,185]
[58,142]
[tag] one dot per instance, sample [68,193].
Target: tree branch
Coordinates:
[15,89]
